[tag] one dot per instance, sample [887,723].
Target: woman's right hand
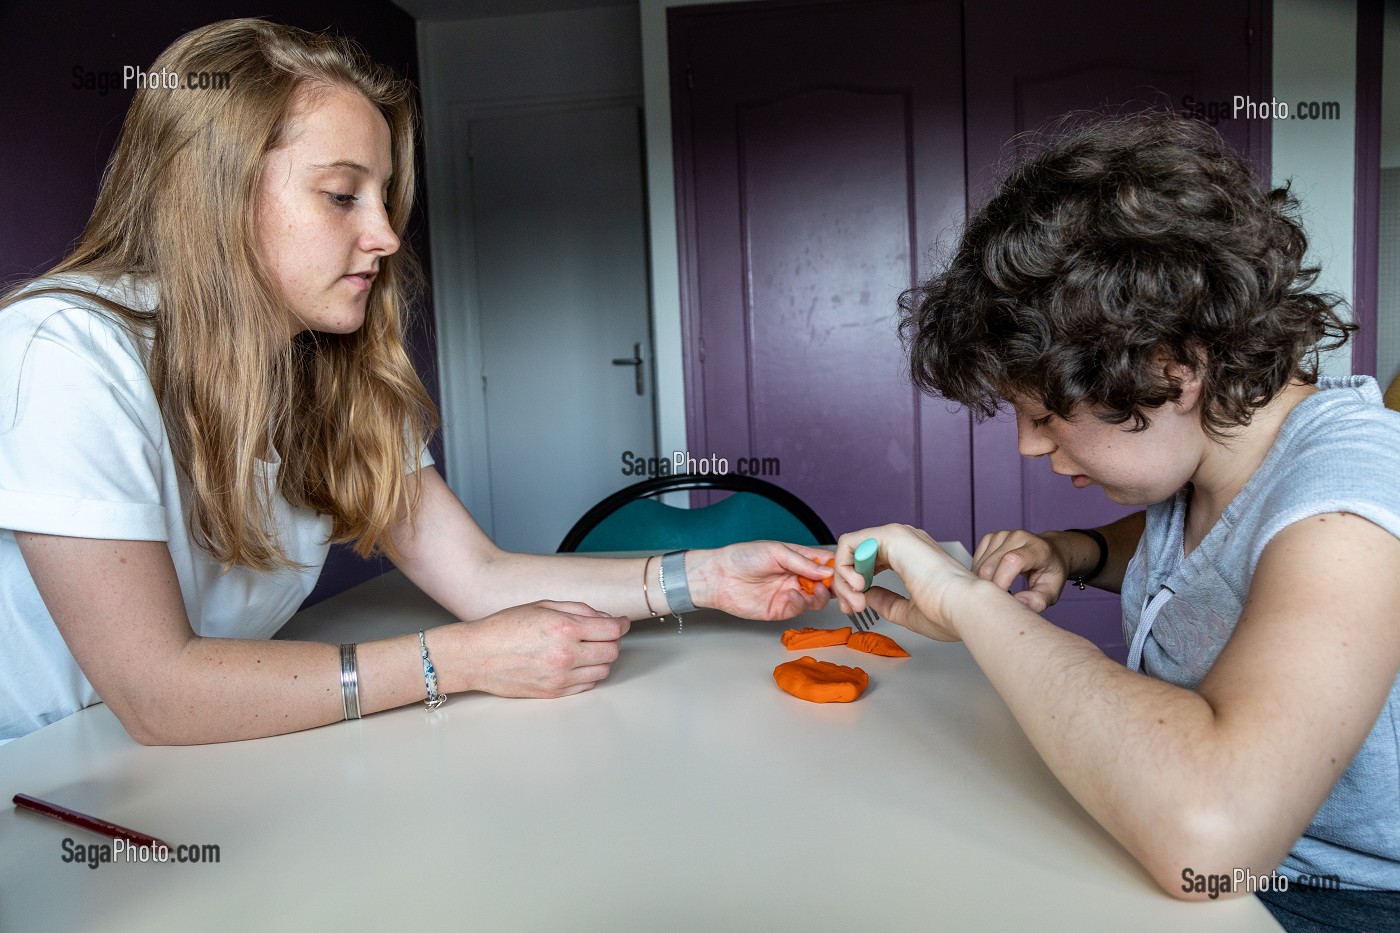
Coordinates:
[1002,556]
[542,649]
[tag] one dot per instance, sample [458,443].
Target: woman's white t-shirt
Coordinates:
[84,453]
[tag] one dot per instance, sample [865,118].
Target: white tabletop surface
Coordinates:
[687,792]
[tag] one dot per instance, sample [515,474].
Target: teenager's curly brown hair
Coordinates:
[1114,247]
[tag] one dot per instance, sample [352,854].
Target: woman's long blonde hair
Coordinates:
[346,412]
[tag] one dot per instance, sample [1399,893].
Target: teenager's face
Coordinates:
[1133,467]
[322,225]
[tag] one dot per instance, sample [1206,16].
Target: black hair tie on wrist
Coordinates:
[1103,556]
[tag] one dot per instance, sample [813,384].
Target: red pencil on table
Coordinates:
[26,802]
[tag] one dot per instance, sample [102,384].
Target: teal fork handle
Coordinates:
[865,555]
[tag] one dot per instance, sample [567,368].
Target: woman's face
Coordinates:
[322,224]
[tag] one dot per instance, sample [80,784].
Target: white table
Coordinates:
[684,793]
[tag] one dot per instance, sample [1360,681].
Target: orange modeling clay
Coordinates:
[810,586]
[875,643]
[802,639]
[821,681]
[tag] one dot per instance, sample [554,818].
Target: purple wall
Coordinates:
[1366,271]
[57,137]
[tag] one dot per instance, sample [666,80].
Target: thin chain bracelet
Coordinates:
[646,570]
[434,699]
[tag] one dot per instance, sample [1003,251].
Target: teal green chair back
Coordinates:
[628,521]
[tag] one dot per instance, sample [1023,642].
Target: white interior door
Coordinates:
[558,217]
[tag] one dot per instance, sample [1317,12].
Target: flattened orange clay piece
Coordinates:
[810,586]
[801,639]
[875,643]
[821,681]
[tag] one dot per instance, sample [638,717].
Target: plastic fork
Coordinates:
[865,566]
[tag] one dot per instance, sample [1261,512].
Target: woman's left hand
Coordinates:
[758,580]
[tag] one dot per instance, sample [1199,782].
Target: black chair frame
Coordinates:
[680,482]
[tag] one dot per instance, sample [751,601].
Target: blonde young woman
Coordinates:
[213,386]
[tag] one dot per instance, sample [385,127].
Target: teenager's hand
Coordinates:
[932,576]
[1002,556]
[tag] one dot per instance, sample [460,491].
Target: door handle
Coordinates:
[634,360]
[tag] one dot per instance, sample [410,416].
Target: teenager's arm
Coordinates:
[1223,777]
[1051,558]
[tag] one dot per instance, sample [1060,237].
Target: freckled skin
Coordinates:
[1134,468]
[321,214]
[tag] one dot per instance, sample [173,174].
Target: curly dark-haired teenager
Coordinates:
[1141,302]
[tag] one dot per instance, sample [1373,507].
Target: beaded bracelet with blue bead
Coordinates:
[435,699]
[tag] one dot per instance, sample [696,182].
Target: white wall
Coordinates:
[1390,88]
[472,67]
[1315,60]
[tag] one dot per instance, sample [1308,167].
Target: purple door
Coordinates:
[820,153]
[822,165]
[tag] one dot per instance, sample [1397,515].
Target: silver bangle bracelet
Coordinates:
[677,596]
[349,682]
[678,593]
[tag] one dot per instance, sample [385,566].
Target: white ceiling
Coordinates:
[473,9]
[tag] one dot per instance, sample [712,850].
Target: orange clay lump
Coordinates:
[874,643]
[802,639]
[821,681]
[810,586]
